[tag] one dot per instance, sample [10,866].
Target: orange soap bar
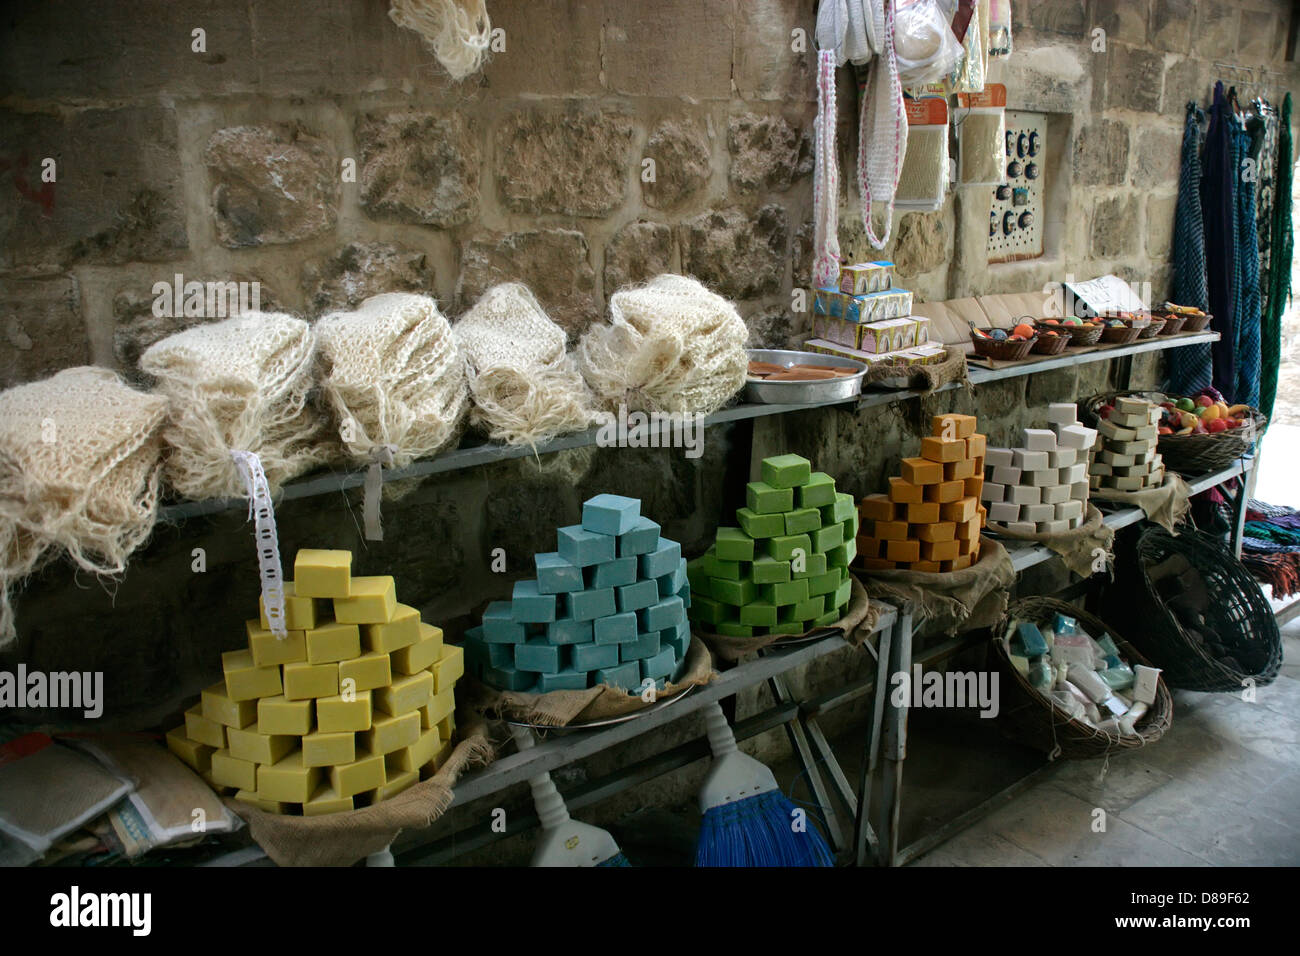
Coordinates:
[920,471]
[962,509]
[974,487]
[940,550]
[891,530]
[903,550]
[953,425]
[929,567]
[959,470]
[963,561]
[976,445]
[877,564]
[868,547]
[945,491]
[943,449]
[903,492]
[970,530]
[923,513]
[939,531]
[876,508]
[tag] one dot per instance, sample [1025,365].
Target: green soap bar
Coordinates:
[708,611]
[732,629]
[770,570]
[784,546]
[789,592]
[825,583]
[760,526]
[715,567]
[813,565]
[734,545]
[789,627]
[734,593]
[766,500]
[851,527]
[801,520]
[817,491]
[699,587]
[842,555]
[827,619]
[804,610]
[842,509]
[823,539]
[786,471]
[758,613]
[842,593]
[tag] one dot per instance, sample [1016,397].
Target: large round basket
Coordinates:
[1050,344]
[1079,334]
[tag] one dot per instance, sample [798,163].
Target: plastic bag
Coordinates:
[999,27]
[923,42]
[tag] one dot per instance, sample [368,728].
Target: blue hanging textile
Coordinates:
[1246,277]
[1219,207]
[1189,366]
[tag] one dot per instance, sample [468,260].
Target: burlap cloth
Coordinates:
[925,377]
[341,839]
[856,625]
[955,601]
[1074,547]
[560,708]
[1165,505]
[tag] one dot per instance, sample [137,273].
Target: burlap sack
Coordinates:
[926,377]
[957,601]
[856,625]
[1076,548]
[1166,505]
[341,839]
[560,708]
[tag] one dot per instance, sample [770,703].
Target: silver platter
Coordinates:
[803,393]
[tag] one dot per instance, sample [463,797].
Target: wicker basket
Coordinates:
[1081,334]
[1154,329]
[1120,334]
[1030,718]
[1003,351]
[1051,344]
[1249,646]
[1196,323]
[1173,324]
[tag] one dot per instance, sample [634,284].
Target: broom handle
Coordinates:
[551,811]
[721,740]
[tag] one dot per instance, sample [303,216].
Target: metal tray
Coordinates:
[803,393]
[659,704]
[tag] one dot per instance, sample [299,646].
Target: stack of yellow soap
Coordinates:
[355,704]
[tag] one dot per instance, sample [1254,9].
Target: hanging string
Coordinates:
[262,513]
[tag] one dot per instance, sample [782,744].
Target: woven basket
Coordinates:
[1249,646]
[1152,330]
[1003,351]
[1080,334]
[1173,324]
[1196,323]
[1120,334]
[1032,719]
[1051,344]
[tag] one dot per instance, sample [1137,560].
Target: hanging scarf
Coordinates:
[1263,150]
[1246,276]
[1279,278]
[1219,207]
[826,178]
[1190,366]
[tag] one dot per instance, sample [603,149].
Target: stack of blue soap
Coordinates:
[608,606]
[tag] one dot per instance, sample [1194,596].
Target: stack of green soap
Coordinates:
[785,569]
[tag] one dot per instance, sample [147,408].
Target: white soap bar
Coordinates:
[1116,705]
[1022,527]
[1070,508]
[1053,526]
[1077,436]
[1062,413]
[1144,683]
[1092,685]
[1037,513]
[1062,457]
[1023,495]
[992,492]
[1040,479]
[1055,494]
[1027,460]
[998,457]
[1006,475]
[1074,523]
[1129,721]
[1040,439]
[1073,473]
[1079,490]
[1003,512]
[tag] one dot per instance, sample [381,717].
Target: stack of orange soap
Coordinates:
[930,519]
[350,707]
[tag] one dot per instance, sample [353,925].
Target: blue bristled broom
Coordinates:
[748,821]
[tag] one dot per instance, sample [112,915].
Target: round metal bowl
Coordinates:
[803,393]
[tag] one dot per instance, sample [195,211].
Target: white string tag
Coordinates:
[381,456]
[262,513]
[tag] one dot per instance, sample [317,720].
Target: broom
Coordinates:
[748,821]
[564,841]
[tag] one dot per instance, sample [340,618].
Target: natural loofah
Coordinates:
[79,472]
[526,388]
[670,346]
[393,376]
[238,385]
[457,32]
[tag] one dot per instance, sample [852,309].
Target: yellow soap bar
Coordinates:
[269,650]
[396,784]
[322,574]
[229,771]
[364,773]
[219,788]
[447,726]
[439,706]
[280,715]
[421,655]
[310,680]
[259,747]
[288,779]
[404,693]
[371,600]
[365,672]
[323,749]
[430,769]
[266,806]
[245,680]
[402,631]
[202,730]
[299,611]
[325,800]
[392,733]
[196,755]
[333,642]
[217,705]
[337,714]
[449,668]
[417,754]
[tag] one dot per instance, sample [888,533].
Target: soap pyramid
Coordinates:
[1125,456]
[1042,488]
[351,707]
[785,570]
[607,607]
[930,519]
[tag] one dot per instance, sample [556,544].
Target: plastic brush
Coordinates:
[748,821]
[564,841]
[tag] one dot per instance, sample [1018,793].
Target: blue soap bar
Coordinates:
[660,666]
[612,574]
[641,538]
[685,594]
[539,657]
[662,560]
[663,615]
[555,575]
[679,671]
[500,626]
[476,656]
[593,604]
[610,514]
[590,657]
[616,628]
[633,597]
[673,582]
[568,630]
[679,638]
[531,606]
[626,676]
[573,679]
[582,548]
[1031,639]
[508,678]
[645,645]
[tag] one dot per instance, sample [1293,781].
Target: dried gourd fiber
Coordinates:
[526,387]
[237,385]
[457,32]
[80,458]
[671,345]
[391,373]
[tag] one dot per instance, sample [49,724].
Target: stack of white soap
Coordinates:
[1126,458]
[1041,488]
